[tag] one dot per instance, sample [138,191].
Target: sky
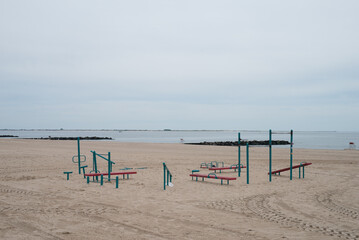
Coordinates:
[199,64]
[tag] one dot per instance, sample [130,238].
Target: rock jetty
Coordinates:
[243,143]
[72,138]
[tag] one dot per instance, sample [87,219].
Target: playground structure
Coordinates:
[290,168]
[68,174]
[108,174]
[212,175]
[79,156]
[106,157]
[301,165]
[167,177]
[239,158]
[270,153]
[211,164]
[233,166]
[95,173]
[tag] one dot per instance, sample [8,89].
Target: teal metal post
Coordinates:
[270,155]
[164,176]
[168,173]
[78,154]
[116,181]
[101,179]
[109,166]
[239,154]
[291,154]
[94,164]
[247,167]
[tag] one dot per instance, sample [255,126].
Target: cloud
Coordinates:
[224,64]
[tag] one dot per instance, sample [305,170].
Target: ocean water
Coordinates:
[301,139]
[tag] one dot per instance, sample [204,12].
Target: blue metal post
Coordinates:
[270,155]
[291,154]
[247,167]
[239,154]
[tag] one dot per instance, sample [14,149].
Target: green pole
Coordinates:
[239,154]
[247,167]
[168,173]
[109,166]
[94,167]
[101,179]
[164,176]
[116,181]
[270,155]
[291,154]
[78,154]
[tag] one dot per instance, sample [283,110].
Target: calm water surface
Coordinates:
[302,139]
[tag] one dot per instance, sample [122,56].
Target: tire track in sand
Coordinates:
[325,199]
[259,205]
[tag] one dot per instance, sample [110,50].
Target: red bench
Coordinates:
[212,175]
[113,173]
[293,167]
[235,167]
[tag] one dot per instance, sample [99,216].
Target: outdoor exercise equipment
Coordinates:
[106,157]
[211,164]
[68,173]
[233,166]
[270,152]
[79,156]
[101,175]
[167,176]
[239,157]
[212,175]
[83,169]
[301,165]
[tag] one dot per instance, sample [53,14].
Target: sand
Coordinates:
[37,202]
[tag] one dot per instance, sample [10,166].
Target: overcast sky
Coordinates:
[159,64]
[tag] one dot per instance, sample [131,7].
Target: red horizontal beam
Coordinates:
[287,169]
[212,176]
[223,168]
[105,174]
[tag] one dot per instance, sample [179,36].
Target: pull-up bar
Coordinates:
[108,159]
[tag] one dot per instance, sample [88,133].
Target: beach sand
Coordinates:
[37,202]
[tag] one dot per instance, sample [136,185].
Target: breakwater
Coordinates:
[243,143]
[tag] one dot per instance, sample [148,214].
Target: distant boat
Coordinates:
[167,129]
